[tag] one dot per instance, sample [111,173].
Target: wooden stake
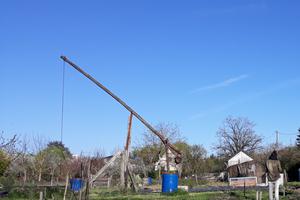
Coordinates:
[81,174]
[87,189]
[122,172]
[66,186]
[41,196]
[109,182]
[167,156]
[131,176]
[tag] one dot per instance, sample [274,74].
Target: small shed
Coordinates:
[243,170]
[239,158]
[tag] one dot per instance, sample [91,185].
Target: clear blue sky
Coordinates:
[187,62]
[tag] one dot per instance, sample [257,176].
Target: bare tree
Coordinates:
[39,144]
[9,145]
[151,146]
[23,161]
[169,130]
[237,134]
[97,161]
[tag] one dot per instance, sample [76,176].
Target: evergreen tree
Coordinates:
[298,138]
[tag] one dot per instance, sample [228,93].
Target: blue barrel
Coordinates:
[76,184]
[169,183]
[150,181]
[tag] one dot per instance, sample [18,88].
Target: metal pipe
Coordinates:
[161,137]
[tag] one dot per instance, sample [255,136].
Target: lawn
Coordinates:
[114,194]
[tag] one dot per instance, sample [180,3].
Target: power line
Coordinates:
[288,133]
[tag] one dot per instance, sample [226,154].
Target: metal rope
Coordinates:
[62,103]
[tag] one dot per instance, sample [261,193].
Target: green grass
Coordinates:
[178,196]
[114,194]
[235,195]
[294,184]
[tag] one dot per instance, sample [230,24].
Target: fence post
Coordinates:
[41,196]
[66,186]
[244,188]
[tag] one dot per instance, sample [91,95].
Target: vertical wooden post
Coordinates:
[122,172]
[260,195]
[167,155]
[132,178]
[41,196]
[109,182]
[125,156]
[159,175]
[127,148]
[80,194]
[81,175]
[244,188]
[87,189]
[128,140]
[197,179]
[66,186]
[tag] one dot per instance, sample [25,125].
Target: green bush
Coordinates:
[7,183]
[294,184]
[4,162]
[32,192]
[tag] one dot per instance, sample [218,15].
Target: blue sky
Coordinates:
[192,63]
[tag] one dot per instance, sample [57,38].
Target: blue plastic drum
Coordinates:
[169,183]
[76,184]
[150,181]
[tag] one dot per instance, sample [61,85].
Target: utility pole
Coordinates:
[277,140]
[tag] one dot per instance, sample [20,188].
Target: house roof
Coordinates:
[239,158]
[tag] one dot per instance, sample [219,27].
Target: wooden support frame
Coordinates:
[125,158]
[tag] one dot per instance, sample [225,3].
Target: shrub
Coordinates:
[7,183]
[4,162]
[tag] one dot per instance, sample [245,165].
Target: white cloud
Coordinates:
[222,84]
[249,97]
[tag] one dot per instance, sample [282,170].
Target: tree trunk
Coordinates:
[25,177]
[52,177]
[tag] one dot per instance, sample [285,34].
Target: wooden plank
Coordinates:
[102,170]
[243,181]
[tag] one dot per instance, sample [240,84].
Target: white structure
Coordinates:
[281,180]
[239,158]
